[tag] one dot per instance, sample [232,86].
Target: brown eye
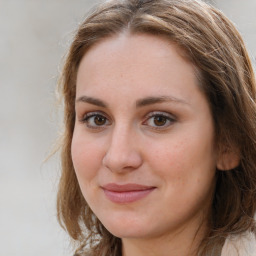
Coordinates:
[100,120]
[95,120]
[160,120]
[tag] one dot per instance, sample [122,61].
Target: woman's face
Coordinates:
[143,145]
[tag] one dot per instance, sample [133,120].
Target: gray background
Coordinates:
[34,35]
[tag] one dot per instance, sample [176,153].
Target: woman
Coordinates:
[159,150]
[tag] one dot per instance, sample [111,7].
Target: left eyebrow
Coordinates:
[160,99]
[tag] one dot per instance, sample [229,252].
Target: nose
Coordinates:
[122,154]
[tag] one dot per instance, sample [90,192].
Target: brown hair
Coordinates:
[225,75]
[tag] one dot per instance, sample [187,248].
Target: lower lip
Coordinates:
[127,196]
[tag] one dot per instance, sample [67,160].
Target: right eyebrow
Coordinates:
[92,101]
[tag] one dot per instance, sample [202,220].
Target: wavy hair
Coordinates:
[225,75]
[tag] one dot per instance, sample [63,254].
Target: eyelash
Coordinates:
[167,118]
[89,116]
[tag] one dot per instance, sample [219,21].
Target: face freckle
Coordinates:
[171,166]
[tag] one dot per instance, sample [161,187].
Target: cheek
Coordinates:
[188,174]
[170,154]
[86,157]
[185,162]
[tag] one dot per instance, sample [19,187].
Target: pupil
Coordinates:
[159,120]
[99,120]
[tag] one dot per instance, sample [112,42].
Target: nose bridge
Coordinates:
[122,153]
[120,136]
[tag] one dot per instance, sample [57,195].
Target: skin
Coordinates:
[121,138]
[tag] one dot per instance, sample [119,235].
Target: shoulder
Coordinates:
[240,245]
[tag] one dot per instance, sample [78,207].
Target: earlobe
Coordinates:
[228,160]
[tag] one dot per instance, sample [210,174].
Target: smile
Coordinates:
[127,193]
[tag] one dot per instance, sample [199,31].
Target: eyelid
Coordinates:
[160,113]
[85,119]
[170,117]
[92,113]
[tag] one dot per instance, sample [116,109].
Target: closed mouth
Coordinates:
[126,193]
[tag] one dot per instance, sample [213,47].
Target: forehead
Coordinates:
[136,66]
[140,52]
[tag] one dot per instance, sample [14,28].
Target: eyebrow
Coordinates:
[159,99]
[93,101]
[139,103]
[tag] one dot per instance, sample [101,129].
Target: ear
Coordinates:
[228,160]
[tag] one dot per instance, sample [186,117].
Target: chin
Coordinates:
[128,228]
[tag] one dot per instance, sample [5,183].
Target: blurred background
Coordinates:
[34,36]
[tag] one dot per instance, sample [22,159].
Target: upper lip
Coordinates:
[126,187]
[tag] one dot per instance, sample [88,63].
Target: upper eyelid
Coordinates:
[163,113]
[86,120]
[93,113]
[147,115]
[171,119]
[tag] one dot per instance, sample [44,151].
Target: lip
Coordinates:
[126,193]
